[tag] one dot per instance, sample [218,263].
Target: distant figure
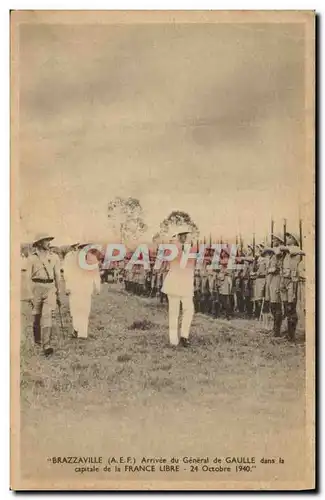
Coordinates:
[43,285]
[273,283]
[80,285]
[179,287]
[259,276]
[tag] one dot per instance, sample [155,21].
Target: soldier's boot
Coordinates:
[248,307]
[47,335]
[229,307]
[258,306]
[37,329]
[216,309]
[196,303]
[277,319]
[285,309]
[292,322]
[211,306]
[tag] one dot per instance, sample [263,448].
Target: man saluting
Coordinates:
[179,287]
[43,284]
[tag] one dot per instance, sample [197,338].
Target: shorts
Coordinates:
[259,288]
[44,301]
[288,290]
[273,288]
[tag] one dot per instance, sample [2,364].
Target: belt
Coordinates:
[39,280]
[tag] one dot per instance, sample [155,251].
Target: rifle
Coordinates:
[241,244]
[61,320]
[284,231]
[300,233]
[272,232]
[253,244]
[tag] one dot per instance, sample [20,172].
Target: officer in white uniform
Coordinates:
[80,285]
[179,287]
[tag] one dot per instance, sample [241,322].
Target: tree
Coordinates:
[178,218]
[126,218]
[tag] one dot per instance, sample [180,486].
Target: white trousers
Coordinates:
[174,303]
[80,305]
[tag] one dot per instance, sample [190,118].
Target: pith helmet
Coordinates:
[42,236]
[294,236]
[278,237]
[181,230]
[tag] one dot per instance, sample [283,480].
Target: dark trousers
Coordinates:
[197,301]
[225,303]
[248,306]
[240,302]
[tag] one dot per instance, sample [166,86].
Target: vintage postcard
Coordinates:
[162,250]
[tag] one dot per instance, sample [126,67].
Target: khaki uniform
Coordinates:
[272,292]
[260,280]
[43,286]
[248,285]
[225,287]
[274,277]
[289,287]
[290,277]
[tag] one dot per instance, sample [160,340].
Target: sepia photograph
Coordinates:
[162,250]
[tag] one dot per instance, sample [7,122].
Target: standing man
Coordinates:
[43,289]
[247,282]
[179,287]
[225,285]
[273,283]
[290,279]
[260,279]
[197,290]
[80,285]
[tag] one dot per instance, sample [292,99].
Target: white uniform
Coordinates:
[81,284]
[179,286]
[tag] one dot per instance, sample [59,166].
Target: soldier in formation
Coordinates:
[267,283]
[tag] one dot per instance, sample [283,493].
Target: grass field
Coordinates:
[235,391]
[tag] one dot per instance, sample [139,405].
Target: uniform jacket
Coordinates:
[291,263]
[43,266]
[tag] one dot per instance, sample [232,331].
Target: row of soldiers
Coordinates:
[267,281]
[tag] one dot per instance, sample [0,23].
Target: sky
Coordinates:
[209,119]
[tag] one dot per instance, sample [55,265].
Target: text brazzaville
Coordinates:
[167,252]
